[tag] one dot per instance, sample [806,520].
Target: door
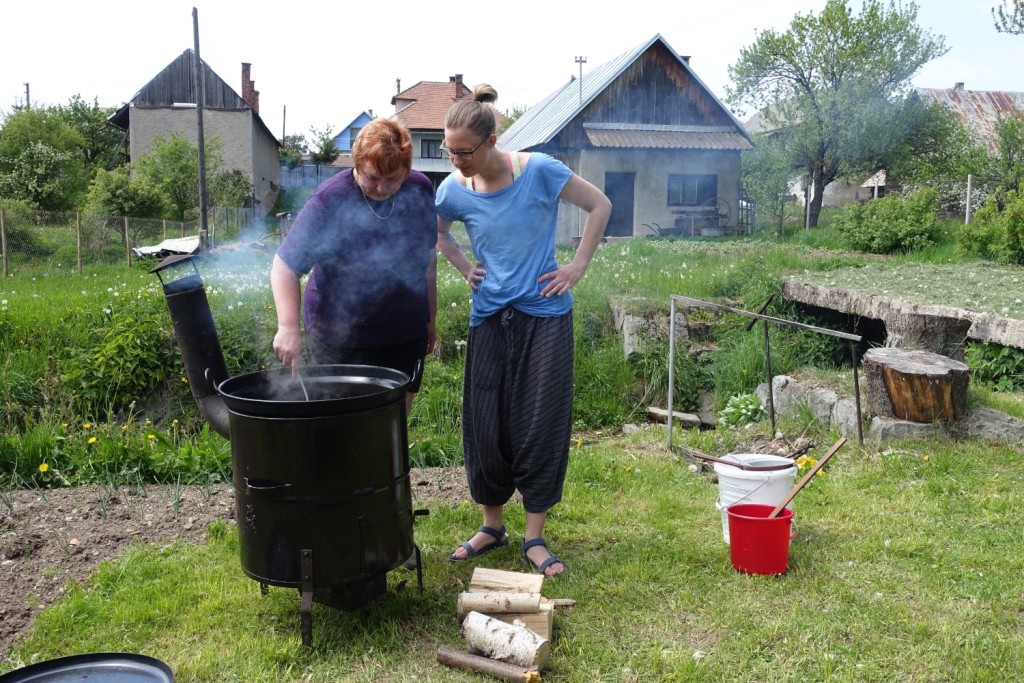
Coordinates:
[619,188]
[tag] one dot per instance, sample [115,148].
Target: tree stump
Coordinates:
[914,385]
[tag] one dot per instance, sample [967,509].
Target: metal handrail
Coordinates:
[755,316]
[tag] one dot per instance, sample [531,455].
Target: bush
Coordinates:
[892,224]
[130,354]
[1000,367]
[997,230]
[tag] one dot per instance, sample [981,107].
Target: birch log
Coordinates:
[512,643]
[492,602]
[458,659]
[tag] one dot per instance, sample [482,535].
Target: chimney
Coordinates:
[457,79]
[249,92]
[398,86]
[958,86]
[685,58]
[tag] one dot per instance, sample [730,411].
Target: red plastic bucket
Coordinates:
[759,544]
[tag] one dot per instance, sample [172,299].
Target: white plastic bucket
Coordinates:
[767,487]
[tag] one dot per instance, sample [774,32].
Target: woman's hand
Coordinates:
[288,347]
[562,280]
[475,275]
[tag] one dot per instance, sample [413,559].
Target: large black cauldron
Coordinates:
[320,466]
[327,477]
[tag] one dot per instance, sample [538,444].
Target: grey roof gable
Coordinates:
[542,122]
[174,85]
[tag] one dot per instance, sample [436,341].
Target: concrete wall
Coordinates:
[650,198]
[243,145]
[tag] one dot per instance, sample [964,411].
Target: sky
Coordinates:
[318,64]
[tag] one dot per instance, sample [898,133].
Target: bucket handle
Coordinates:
[741,465]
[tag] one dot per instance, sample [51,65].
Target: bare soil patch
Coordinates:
[51,537]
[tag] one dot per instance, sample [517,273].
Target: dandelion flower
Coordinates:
[92,439]
[43,467]
[151,437]
[87,425]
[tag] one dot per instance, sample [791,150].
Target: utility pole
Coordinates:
[581,61]
[197,75]
[28,103]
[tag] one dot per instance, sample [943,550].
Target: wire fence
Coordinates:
[53,241]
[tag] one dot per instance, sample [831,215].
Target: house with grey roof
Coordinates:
[167,104]
[648,132]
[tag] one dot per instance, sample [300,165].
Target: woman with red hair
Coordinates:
[367,236]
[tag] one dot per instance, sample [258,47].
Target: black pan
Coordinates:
[323,390]
[103,667]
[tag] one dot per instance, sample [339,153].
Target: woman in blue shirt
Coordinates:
[517,392]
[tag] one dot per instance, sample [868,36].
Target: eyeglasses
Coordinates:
[448,152]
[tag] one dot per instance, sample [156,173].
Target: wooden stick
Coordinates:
[458,659]
[807,477]
[497,601]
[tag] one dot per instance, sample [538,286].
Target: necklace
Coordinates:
[394,200]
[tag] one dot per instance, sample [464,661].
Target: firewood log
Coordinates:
[502,670]
[496,601]
[513,643]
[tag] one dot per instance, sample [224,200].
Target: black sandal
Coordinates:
[500,541]
[540,568]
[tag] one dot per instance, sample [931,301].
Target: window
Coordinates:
[353,133]
[430,149]
[687,189]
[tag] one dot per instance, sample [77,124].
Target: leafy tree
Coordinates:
[100,141]
[511,118]
[40,160]
[293,148]
[767,173]
[935,149]
[1010,151]
[831,79]
[1009,16]
[173,166]
[325,150]
[39,176]
[116,193]
[231,189]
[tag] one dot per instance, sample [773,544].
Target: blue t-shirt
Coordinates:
[512,232]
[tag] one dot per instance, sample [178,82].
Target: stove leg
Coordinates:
[264,589]
[306,606]
[419,568]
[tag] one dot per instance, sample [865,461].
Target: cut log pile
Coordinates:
[506,624]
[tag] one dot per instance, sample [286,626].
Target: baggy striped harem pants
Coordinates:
[517,408]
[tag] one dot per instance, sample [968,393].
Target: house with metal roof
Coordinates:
[168,102]
[647,131]
[979,110]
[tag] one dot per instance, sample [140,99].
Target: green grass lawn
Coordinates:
[905,566]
